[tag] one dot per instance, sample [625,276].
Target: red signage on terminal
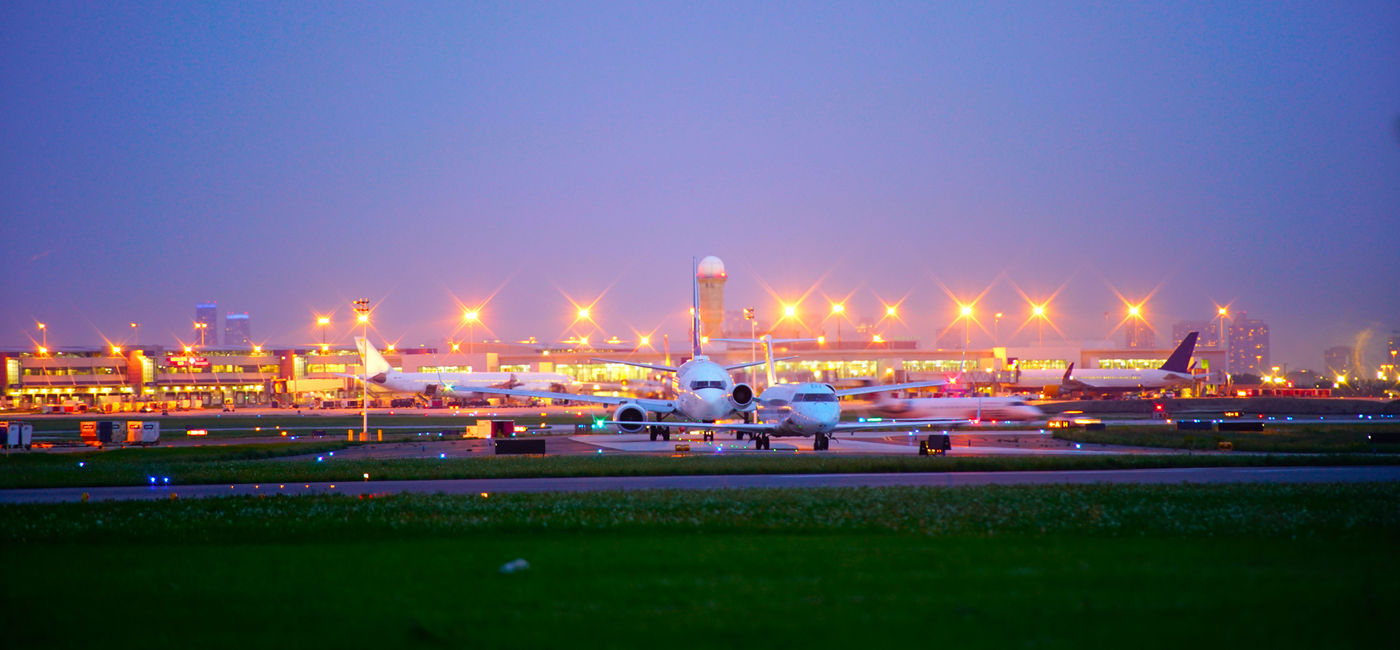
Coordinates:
[188,362]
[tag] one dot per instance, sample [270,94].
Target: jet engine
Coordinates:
[741,398]
[630,418]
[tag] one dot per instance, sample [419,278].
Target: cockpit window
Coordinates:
[697,385]
[814,397]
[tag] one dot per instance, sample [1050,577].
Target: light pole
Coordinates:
[44,335]
[837,310]
[362,315]
[996,329]
[471,316]
[136,334]
[1039,312]
[753,347]
[200,327]
[967,337]
[322,322]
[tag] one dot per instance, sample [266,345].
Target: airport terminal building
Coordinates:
[308,376]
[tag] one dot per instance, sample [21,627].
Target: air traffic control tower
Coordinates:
[710,274]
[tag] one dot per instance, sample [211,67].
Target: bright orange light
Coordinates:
[877,339]
[1134,311]
[116,349]
[471,316]
[998,315]
[645,340]
[821,340]
[42,326]
[583,313]
[323,320]
[391,347]
[1222,311]
[890,311]
[257,348]
[1039,310]
[43,350]
[967,310]
[189,349]
[456,347]
[838,308]
[363,318]
[789,311]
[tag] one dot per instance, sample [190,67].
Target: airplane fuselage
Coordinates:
[968,408]
[461,383]
[799,409]
[702,390]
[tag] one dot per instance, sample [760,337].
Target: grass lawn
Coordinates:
[1294,437]
[1046,566]
[296,462]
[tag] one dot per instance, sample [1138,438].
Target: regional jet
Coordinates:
[1175,373]
[382,376]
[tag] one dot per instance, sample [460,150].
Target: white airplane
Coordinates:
[975,409]
[1175,373]
[382,376]
[812,409]
[704,390]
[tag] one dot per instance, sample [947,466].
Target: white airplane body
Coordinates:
[383,377]
[813,409]
[1007,409]
[705,392]
[1174,373]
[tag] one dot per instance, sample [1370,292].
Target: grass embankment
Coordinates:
[231,464]
[1047,566]
[1275,438]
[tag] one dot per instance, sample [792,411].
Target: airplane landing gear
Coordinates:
[738,435]
[821,442]
[761,441]
[663,432]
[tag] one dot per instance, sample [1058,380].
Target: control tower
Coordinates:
[710,274]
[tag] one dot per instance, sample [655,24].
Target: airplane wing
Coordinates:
[889,387]
[755,363]
[713,426]
[652,405]
[899,424]
[639,365]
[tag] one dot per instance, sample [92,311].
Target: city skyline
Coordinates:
[286,160]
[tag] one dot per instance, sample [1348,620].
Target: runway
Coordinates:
[747,481]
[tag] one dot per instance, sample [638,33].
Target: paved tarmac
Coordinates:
[593,484]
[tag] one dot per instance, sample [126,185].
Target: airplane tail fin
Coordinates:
[1180,359]
[694,307]
[1068,371]
[374,362]
[767,342]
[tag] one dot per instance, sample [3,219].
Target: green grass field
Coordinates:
[1298,437]
[296,462]
[1053,566]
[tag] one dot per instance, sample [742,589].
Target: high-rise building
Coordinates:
[1138,334]
[238,330]
[1209,329]
[1249,346]
[1339,360]
[711,276]
[206,318]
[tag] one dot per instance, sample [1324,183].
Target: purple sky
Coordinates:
[286,159]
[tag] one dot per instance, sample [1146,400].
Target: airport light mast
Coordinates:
[362,315]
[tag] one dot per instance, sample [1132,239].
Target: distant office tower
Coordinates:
[1339,360]
[238,330]
[1137,334]
[1209,329]
[206,318]
[711,275]
[1249,346]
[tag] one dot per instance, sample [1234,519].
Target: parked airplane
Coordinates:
[382,376]
[976,409]
[812,409]
[704,390]
[1175,373]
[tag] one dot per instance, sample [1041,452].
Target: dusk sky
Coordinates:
[285,159]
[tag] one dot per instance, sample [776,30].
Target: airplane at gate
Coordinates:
[383,377]
[1175,373]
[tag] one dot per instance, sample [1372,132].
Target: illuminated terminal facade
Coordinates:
[306,376]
